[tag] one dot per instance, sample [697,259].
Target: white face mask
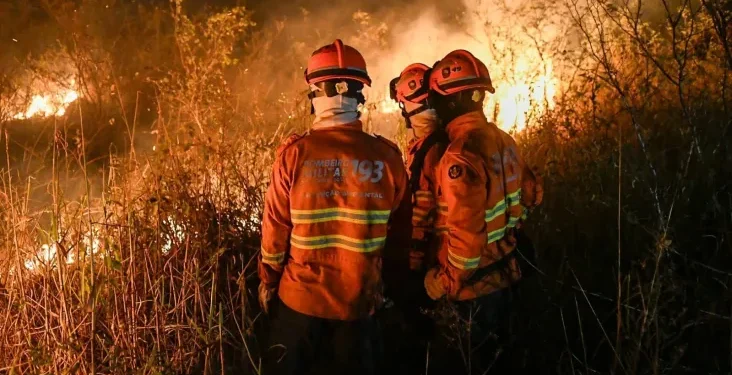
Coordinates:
[334,110]
[424,123]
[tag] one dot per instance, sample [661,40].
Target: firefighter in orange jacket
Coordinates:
[485,192]
[411,90]
[338,204]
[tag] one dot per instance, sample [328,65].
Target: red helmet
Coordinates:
[336,61]
[459,71]
[412,85]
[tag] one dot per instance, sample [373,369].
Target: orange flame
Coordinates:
[49,104]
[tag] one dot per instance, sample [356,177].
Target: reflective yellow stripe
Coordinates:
[340,214]
[339,241]
[498,210]
[272,258]
[339,209]
[461,262]
[496,235]
[423,193]
[272,262]
[420,214]
[514,198]
[512,221]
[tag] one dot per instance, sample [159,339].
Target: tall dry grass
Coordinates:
[150,265]
[155,248]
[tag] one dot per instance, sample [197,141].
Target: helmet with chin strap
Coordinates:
[412,86]
[337,69]
[460,71]
[460,82]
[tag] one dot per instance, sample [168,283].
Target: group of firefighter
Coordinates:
[349,231]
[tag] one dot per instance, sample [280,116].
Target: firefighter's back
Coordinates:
[345,184]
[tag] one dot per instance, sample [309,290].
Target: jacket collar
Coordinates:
[353,125]
[463,124]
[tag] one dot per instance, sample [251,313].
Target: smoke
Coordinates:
[515,41]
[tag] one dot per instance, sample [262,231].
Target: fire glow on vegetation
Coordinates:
[49,256]
[47,104]
[513,104]
[524,78]
[529,95]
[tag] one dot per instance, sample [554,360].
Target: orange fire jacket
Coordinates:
[426,223]
[338,203]
[485,192]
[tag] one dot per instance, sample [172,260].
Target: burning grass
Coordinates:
[150,275]
[147,264]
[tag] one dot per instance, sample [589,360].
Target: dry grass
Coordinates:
[153,259]
[158,263]
[155,250]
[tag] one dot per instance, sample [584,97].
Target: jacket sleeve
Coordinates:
[399,230]
[424,208]
[464,190]
[276,227]
[423,212]
[533,191]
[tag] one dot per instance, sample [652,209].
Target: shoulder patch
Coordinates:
[289,141]
[388,142]
[455,171]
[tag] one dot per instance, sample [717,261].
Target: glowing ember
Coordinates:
[46,105]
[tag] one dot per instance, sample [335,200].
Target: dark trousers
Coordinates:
[407,330]
[302,344]
[471,335]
